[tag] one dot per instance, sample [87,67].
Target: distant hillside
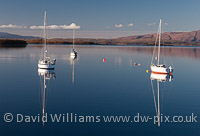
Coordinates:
[169,38]
[193,36]
[4,35]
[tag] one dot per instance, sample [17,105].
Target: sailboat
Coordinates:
[73,53]
[47,75]
[46,62]
[160,68]
[160,78]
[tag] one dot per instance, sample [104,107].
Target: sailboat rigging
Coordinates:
[46,62]
[73,53]
[160,68]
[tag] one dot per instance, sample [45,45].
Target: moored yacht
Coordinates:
[46,62]
[160,68]
[73,53]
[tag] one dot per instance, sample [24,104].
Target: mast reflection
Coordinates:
[45,76]
[72,60]
[159,78]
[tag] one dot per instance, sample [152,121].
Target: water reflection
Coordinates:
[45,76]
[187,52]
[118,61]
[72,61]
[159,78]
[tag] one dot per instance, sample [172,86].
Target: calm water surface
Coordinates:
[89,86]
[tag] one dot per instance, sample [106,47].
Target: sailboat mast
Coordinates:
[159,39]
[45,36]
[73,38]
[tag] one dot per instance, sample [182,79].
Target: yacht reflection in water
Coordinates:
[72,61]
[45,76]
[158,79]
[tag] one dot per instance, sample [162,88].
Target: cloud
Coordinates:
[130,25]
[166,24]
[151,24]
[12,26]
[72,26]
[119,26]
[36,27]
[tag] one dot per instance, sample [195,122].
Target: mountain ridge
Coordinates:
[5,35]
[168,38]
[193,36]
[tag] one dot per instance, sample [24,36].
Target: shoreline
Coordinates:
[10,43]
[7,43]
[112,42]
[97,45]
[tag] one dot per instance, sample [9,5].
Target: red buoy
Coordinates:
[104,60]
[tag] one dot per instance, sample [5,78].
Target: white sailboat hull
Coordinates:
[46,64]
[73,57]
[73,54]
[161,69]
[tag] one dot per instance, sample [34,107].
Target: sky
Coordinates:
[98,18]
